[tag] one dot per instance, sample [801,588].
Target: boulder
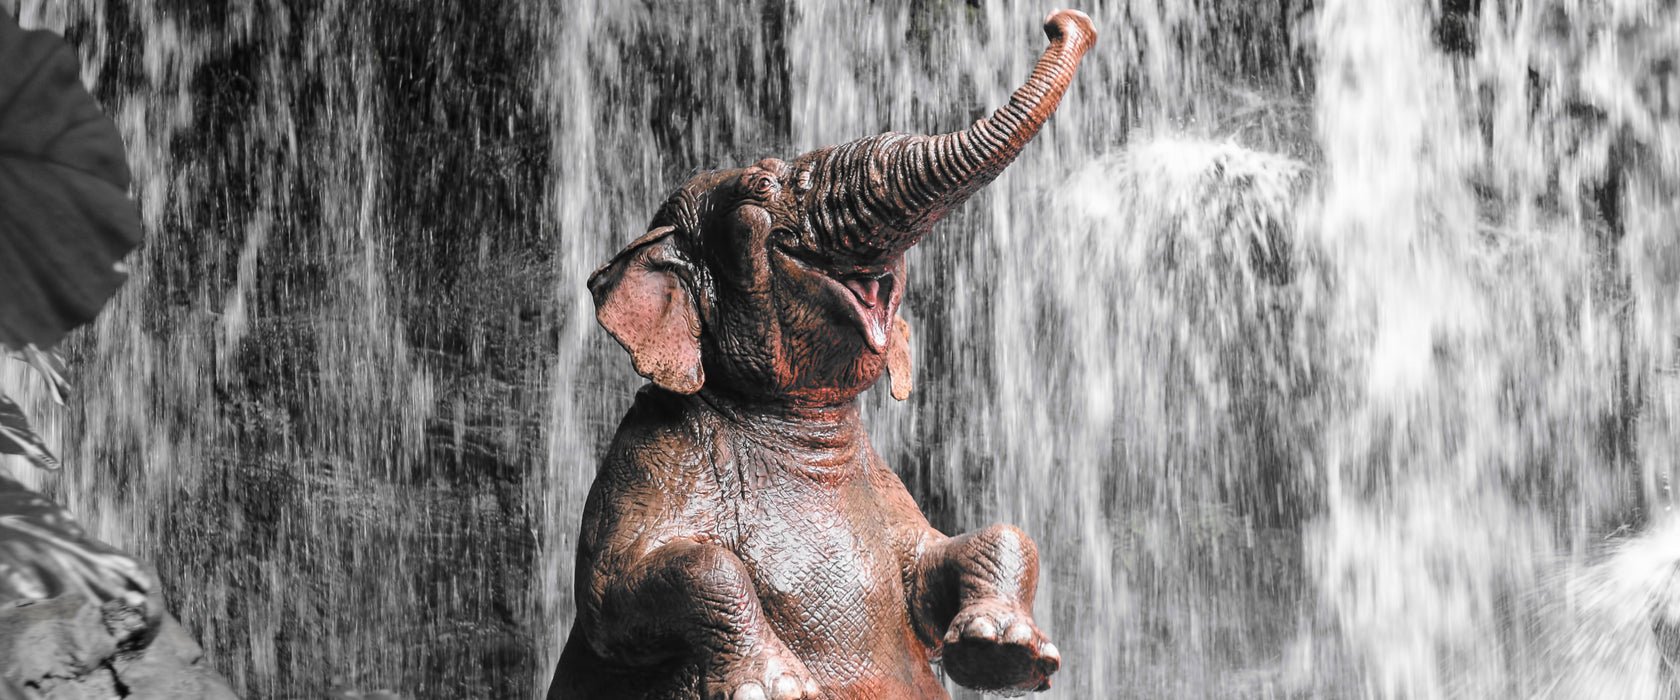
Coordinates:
[70,647]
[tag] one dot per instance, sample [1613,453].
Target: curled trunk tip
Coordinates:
[884,192]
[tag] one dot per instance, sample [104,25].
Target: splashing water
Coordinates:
[1327,349]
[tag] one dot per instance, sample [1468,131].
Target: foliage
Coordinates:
[65,222]
[67,218]
[16,438]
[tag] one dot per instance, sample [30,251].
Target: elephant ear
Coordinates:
[646,298]
[898,360]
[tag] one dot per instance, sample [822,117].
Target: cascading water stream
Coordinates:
[1321,346]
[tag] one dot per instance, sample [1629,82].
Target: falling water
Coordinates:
[1328,349]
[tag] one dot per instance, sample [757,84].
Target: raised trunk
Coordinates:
[882,194]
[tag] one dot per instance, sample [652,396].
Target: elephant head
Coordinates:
[781,282]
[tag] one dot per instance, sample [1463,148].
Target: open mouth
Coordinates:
[861,293]
[867,287]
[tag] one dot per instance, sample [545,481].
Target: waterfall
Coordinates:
[1327,349]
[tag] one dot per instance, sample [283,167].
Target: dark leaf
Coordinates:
[17,439]
[65,216]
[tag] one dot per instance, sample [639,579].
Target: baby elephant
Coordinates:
[742,539]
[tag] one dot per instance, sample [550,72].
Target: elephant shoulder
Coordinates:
[652,484]
[662,443]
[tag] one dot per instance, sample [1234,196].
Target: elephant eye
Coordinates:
[760,185]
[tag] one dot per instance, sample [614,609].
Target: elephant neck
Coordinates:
[826,439]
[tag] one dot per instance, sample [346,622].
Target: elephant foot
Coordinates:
[765,671]
[994,646]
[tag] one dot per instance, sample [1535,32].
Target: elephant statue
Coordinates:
[742,539]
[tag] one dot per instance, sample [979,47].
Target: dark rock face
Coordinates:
[69,648]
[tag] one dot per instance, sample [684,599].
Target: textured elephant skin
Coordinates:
[742,540]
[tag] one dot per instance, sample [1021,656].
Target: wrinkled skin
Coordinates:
[742,539]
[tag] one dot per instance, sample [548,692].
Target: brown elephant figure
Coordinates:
[742,539]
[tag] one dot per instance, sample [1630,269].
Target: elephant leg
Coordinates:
[698,598]
[979,591]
